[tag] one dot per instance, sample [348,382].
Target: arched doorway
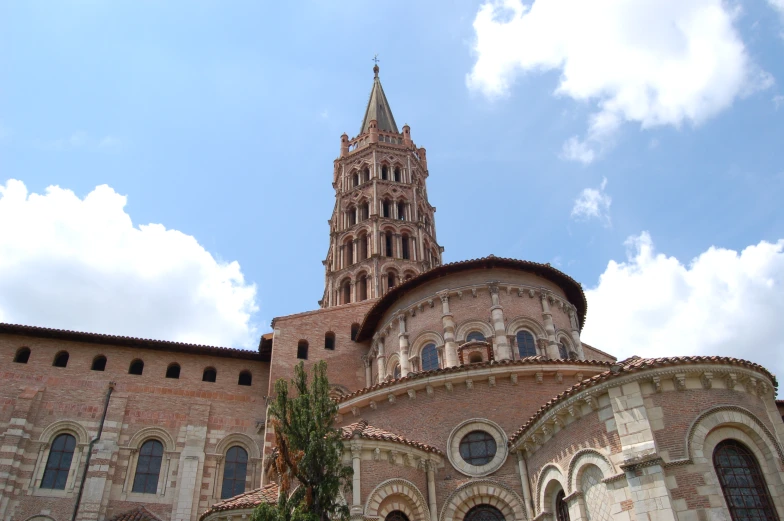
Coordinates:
[484,513]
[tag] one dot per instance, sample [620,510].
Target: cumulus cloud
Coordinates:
[81,264]
[720,303]
[651,62]
[593,203]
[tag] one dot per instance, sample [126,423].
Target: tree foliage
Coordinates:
[308,451]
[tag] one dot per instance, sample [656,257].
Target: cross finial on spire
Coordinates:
[375,67]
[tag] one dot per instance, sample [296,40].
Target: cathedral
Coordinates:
[465,393]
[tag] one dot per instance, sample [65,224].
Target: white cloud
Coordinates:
[576,150]
[777,5]
[653,62]
[81,264]
[593,203]
[721,303]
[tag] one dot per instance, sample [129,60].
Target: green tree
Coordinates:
[308,451]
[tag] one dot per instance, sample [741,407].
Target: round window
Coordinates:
[477,448]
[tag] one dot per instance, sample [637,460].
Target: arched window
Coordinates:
[396,372]
[429,357]
[384,172]
[390,280]
[329,341]
[99,363]
[596,497]
[484,513]
[742,482]
[349,245]
[563,352]
[401,211]
[173,371]
[245,378]
[362,289]
[406,248]
[136,367]
[525,344]
[234,472]
[362,249]
[478,448]
[396,515]
[302,349]
[148,467]
[351,213]
[475,336]
[561,508]
[22,355]
[388,244]
[209,375]
[58,465]
[386,208]
[354,331]
[363,211]
[356,179]
[345,290]
[366,175]
[61,359]
[397,174]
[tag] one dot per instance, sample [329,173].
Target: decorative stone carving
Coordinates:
[377,454]
[429,390]
[355,411]
[656,384]
[373,405]
[707,380]
[391,398]
[448,386]
[680,381]
[559,377]
[539,377]
[513,378]
[469,384]
[491,381]
[731,380]
[392,456]
[411,394]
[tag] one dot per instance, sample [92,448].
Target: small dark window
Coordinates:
[354,331]
[397,372]
[302,350]
[245,378]
[401,211]
[385,209]
[210,375]
[59,462]
[235,472]
[148,467]
[429,357]
[475,358]
[22,355]
[384,172]
[406,252]
[329,341]
[137,367]
[562,351]
[525,344]
[366,175]
[475,336]
[61,359]
[478,448]
[99,363]
[561,508]
[390,280]
[484,513]
[742,482]
[356,179]
[397,174]
[396,515]
[388,243]
[173,371]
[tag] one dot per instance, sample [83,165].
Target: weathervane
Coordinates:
[375,59]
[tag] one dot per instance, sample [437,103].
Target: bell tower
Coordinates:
[382,230]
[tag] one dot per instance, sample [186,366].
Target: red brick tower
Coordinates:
[382,229]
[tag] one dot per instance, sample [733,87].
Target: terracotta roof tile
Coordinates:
[363,430]
[531,360]
[630,365]
[139,513]
[251,499]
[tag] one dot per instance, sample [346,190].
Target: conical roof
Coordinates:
[378,109]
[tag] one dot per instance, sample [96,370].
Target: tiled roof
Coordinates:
[632,365]
[139,513]
[572,288]
[126,341]
[251,499]
[369,432]
[531,360]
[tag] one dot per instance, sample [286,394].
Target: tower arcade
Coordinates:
[382,229]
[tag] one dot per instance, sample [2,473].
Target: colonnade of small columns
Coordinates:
[448,353]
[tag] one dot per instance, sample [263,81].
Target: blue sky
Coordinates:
[221,120]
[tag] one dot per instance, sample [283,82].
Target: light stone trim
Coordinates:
[483,491]
[147,433]
[477,424]
[397,487]
[238,438]
[379,450]
[77,430]
[584,457]
[551,475]
[527,323]
[463,329]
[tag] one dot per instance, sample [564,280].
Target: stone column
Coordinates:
[398,246]
[189,474]
[355,250]
[353,292]
[368,371]
[575,323]
[502,349]
[403,336]
[356,499]
[381,360]
[450,346]
[431,490]
[547,317]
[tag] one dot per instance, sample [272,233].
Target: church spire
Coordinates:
[378,108]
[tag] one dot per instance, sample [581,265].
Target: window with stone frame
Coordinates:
[742,482]
[484,513]
[148,467]
[526,345]
[235,472]
[478,448]
[396,515]
[58,464]
[475,336]
[561,508]
[429,357]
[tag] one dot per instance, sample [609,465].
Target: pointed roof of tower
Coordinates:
[378,109]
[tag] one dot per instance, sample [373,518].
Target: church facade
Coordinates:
[465,392]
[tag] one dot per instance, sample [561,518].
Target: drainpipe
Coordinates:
[90,451]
